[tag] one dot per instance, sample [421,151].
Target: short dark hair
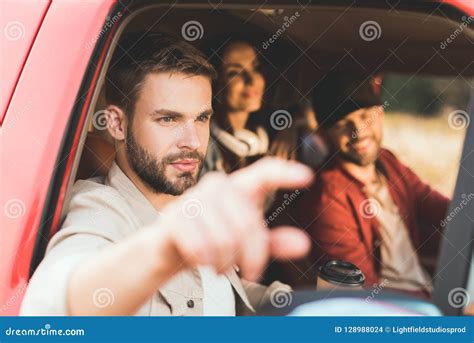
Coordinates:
[141,53]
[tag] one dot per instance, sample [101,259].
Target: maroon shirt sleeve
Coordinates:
[329,219]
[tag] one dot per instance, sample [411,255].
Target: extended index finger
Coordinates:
[270,174]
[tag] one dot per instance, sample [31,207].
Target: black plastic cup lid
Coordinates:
[341,272]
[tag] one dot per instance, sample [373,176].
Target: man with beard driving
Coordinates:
[147,239]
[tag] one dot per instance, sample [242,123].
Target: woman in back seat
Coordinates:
[237,94]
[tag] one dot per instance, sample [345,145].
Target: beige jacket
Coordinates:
[103,212]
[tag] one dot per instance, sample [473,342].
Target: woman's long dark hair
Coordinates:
[214,50]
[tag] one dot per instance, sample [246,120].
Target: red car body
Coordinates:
[48,77]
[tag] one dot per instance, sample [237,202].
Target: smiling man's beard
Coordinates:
[153,171]
[362,160]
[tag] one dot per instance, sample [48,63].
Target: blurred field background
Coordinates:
[417,127]
[429,146]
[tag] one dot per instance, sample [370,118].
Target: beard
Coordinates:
[153,171]
[362,159]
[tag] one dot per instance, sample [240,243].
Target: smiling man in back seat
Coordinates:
[366,207]
[144,241]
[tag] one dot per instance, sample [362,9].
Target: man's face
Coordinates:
[168,135]
[358,136]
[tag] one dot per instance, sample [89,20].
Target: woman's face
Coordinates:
[241,82]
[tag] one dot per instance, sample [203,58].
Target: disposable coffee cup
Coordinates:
[337,274]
